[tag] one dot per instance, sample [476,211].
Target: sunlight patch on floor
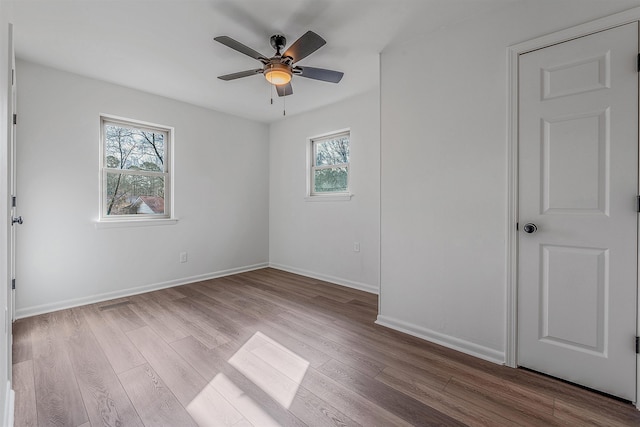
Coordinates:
[271,366]
[213,408]
[250,410]
[222,403]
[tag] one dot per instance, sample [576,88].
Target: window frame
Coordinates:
[168,172]
[312,167]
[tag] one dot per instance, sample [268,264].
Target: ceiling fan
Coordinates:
[280,68]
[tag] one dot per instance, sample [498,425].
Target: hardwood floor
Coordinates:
[269,348]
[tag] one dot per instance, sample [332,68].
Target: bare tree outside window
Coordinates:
[134,169]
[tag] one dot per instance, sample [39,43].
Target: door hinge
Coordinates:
[517,226]
[637,345]
[13,201]
[13,285]
[638,69]
[15,119]
[637,203]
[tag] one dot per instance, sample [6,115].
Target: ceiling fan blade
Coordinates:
[308,43]
[236,45]
[321,74]
[284,90]
[240,74]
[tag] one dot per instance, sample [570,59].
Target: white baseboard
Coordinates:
[372,289]
[9,405]
[454,343]
[61,305]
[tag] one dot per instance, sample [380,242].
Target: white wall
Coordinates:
[221,194]
[317,238]
[444,173]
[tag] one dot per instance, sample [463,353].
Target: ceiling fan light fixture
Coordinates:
[277,74]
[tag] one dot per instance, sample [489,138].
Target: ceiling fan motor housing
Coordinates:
[278,41]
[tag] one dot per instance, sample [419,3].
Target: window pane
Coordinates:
[134,194]
[330,180]
[131,148]
[332,151]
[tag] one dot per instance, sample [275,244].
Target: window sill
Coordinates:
[135,223]
[329,198]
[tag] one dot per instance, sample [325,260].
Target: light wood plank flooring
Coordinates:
[269,348]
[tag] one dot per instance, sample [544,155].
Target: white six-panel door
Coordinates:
[578,182]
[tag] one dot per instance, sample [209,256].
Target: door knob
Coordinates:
[16,220]
[530,228]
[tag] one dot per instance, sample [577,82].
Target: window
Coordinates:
[329,160]
[135,174]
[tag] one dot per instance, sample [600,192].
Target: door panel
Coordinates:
[582,287]
[578,180]
[576,143]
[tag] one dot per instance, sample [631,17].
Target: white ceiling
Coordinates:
[166,47]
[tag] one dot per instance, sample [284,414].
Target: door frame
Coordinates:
[513,57]
[12,178]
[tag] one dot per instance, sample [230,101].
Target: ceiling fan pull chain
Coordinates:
[284,105]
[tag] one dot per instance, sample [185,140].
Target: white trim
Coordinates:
[578,31]
[326,135]
[448,341]
[329,197]
[75,302]
[372,289]
[380,183]
[511,294]
[513,53]
[9,405]
[135,223]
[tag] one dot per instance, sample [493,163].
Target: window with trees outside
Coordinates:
[329,164]
[135,170]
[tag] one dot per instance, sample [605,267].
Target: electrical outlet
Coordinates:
[356,247]
[183,257]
